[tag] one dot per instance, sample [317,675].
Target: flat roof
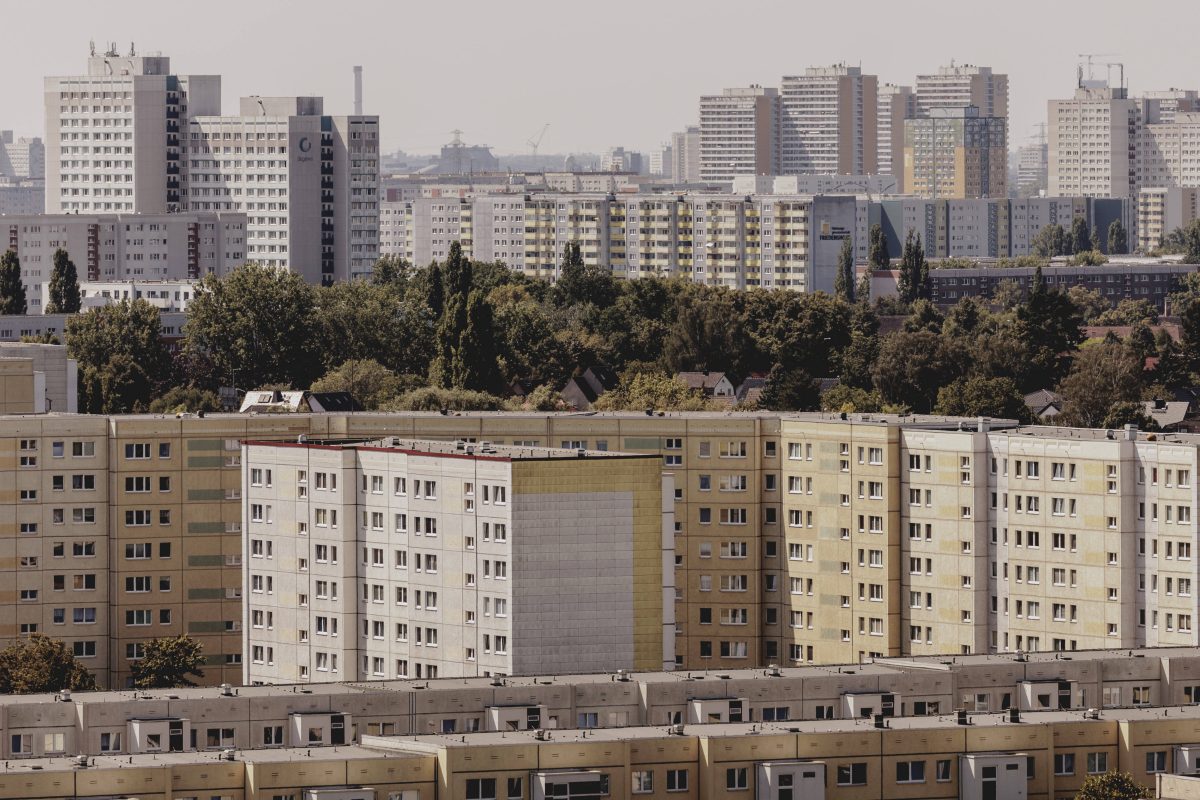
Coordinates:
[485,451]
[198,757]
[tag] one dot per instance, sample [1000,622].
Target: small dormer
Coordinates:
[868,704]
[724,709]
[516,718]
[318,729]
[159,735]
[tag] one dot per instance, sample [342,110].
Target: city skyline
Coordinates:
[634,99]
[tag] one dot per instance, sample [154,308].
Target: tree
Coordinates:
[1081,237]
[790,389]
[185,398]
[578,283]
[391,270]
[982,397]
[123,363]
[12,290]
[355,320]
[467,357]
[924,317]
[1191,244]
[879,257]
[64,296]
[371,383]
[1113,786]
[651,390]
[1128,312]
[166,663]
[1102,375]
[1050,241]
[851,399]
[913,283]
[843,284]
[1052,325]
[434,398]
[1088,258]
[1128,412]
[38,664]
[911,367]
[256,327]
[1091,304]
[1118,243]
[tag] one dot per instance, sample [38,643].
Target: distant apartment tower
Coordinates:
[896,104]
[827,122]
[1160,210]
[619,159]
[685,155]
[1168,152]
[955,153]
[441,559]
[23,158]
[739,133]
[1031,169]
[308,183]
[660,161]
[1164,105]
[961,85]
[115,134]
[1091,139]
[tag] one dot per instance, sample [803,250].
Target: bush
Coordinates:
[432,398]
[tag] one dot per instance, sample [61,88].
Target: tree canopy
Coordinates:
[123,363]
[12,288]
[37,663]
[168,663]
[64,296]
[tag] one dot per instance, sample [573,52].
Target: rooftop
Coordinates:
[455,449]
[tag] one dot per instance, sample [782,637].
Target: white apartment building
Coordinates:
[307,183]
[828,121]
[895,104]
[1031,169]
[1164,105]
[125,247]
[131,137]
[22,197]
[399,558]
[739,133]
[113,135]
[163,295]
[22,159]
[685,155]
[1168,152]
[955,86]
[1092,139]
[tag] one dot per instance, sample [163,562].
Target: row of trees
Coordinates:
[458,333]
[64,296]
[39,664]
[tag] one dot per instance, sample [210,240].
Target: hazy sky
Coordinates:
[616,72]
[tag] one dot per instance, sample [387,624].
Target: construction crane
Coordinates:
[535,141]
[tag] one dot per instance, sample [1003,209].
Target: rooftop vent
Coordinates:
[677,729]
[541,734]
[226,690]
[64,696]
[1014,714]
[623,675]
[963,719]
[228,754]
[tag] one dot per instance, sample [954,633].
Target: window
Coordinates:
[1156,761]
[481,789]
[677,780]
[852,774]
[643,781]
[943,770]
[1064,763]
[736,778]
[1097,763]
[910,772]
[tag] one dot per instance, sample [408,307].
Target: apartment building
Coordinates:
[1092,140]
[956,153]
[365,743]
[115,134]
[312,204]
[685,155]
[765,572]
[132,137]
[586,581]
[1032,168]
[23,158]
[827,121]
[895,104]
[739,133]
[1161,210]
[955,86]
[125,247]
[49,383]
[1168,152]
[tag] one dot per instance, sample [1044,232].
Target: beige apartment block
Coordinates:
[400,558]
[962,550]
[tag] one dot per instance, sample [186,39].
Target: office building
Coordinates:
[441,590]
[1160,211]
[125,247]
[312,204]
[956,153]
[1092,140]
[115,134]
[827,121]
[739,133]
[896,104]
[685,155]
[22,159]
[955,86]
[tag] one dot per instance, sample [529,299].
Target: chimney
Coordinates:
[358,91]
